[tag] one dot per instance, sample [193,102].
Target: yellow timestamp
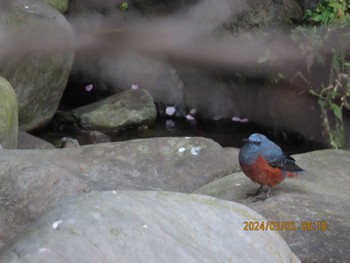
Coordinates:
[285,226]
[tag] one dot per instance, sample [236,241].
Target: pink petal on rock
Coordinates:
[170,110]
[89,87]
[189,117]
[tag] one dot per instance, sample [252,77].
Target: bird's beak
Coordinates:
[245,140]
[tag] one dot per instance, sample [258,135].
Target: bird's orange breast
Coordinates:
[262,173]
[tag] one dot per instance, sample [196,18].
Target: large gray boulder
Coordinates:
[318,198]
[8,115]
[127,108]
[123,226]
[36,58]
[33,180]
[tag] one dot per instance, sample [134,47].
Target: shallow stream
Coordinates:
[226,133]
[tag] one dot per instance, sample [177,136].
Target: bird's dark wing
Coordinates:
[285,162]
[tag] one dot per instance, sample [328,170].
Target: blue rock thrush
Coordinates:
[264,163]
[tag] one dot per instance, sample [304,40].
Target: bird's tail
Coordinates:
[294,173]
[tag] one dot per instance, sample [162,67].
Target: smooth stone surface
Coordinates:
[33,180]
[319,195]
[131,226]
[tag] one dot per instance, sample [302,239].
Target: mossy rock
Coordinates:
[60,5]
[38,63]
[8,115]
[128,108]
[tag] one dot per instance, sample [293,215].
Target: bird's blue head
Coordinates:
[258,144]
[257,139]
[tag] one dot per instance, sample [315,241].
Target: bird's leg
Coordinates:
[268,192]
[257,192]
[263,198]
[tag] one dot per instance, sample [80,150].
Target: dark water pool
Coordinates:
[226,133]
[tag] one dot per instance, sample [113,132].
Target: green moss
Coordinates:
[8,115]
[60,5]
[38,78]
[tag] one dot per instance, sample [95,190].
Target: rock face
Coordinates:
[44,177]
[8,115]
[130,107]
[37,58]
[319,196]
[123,226]
[266,15]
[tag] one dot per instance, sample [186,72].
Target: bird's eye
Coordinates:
[257,143]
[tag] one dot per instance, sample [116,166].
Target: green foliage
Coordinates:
[124,6]
[328,99]
[327,44]
[328,11]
